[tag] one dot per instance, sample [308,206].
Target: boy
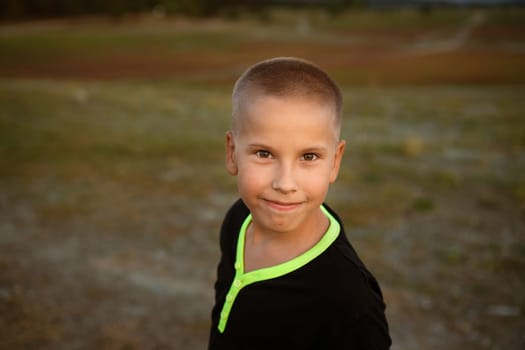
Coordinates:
[288,278]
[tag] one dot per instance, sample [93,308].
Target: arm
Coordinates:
[357,311]
[367,331]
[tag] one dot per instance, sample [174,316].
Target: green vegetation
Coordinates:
[358,47]
[112,182]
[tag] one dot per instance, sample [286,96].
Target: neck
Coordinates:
[307,234]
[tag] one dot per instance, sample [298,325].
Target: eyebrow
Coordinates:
[311,149]
[259,145]
[315,149]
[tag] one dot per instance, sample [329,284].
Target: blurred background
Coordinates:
[113,187]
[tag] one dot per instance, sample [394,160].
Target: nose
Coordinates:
[284,179]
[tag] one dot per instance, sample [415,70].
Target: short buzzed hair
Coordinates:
[287,77]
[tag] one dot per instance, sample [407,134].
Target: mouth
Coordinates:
[282,206]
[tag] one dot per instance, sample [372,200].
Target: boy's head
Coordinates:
[284,145]
[286,77]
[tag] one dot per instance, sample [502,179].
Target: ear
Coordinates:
[231,161]
[340,150]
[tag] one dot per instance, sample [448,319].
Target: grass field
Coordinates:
[112,184]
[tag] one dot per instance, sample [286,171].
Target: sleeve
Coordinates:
[372,332]
[365,330]
[357,319]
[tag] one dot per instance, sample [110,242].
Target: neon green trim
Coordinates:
[242,279]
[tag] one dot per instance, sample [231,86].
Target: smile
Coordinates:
[282,206]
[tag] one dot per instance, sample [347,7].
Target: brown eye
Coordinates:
[309,157]
[263,154]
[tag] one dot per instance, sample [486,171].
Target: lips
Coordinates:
[282,206]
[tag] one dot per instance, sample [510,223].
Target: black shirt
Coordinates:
[330,302]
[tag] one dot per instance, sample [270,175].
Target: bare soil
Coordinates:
[112,186]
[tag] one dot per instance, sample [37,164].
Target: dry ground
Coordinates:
[112,184]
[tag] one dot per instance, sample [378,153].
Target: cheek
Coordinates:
[251,178]
[315,182]
[319,184]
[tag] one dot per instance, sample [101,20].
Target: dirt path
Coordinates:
[434,42]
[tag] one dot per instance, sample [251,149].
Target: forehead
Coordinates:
[286,117]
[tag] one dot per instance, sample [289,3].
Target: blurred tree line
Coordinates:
[19,9]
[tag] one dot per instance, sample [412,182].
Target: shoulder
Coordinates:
[355,283]
[356,308]
[232,223]
[236,215]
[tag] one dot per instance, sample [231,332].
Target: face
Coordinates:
[285,153]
